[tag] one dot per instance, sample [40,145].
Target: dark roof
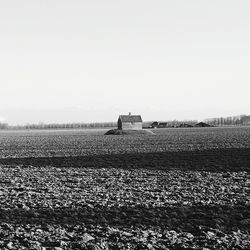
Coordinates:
[202,124]
[130,118]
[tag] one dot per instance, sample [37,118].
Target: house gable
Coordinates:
[129,122]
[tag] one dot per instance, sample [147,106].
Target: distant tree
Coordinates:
[3,125]
[225,121]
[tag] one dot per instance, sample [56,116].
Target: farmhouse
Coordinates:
[246,120]
[129,122]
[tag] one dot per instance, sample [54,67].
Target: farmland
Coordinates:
[79,189]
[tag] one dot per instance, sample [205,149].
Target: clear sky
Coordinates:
[88,61]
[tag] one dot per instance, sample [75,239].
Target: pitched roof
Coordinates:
[130,118]
[202,124]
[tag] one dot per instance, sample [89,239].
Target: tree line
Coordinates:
[226,121]
[59,125]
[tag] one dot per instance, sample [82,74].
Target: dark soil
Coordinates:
[178,189]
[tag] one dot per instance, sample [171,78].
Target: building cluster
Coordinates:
[179,125]
[134,122]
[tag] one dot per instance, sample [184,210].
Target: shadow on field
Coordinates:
[215,160]
[191,219]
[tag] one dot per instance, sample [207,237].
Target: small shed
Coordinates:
[129,122]
[154,124]
[162,125]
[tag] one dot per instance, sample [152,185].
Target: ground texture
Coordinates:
[178,189]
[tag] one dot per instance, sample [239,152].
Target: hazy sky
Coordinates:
[83,61]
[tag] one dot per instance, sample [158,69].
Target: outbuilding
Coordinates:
[202,124]
[129,122]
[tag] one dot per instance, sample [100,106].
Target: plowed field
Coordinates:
[177,189]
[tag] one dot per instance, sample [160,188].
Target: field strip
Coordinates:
[230,159]
[76,208]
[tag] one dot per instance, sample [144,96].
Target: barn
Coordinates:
[129,122]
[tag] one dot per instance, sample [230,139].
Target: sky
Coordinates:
[89,61]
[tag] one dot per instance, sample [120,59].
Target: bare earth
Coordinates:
[178,189]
